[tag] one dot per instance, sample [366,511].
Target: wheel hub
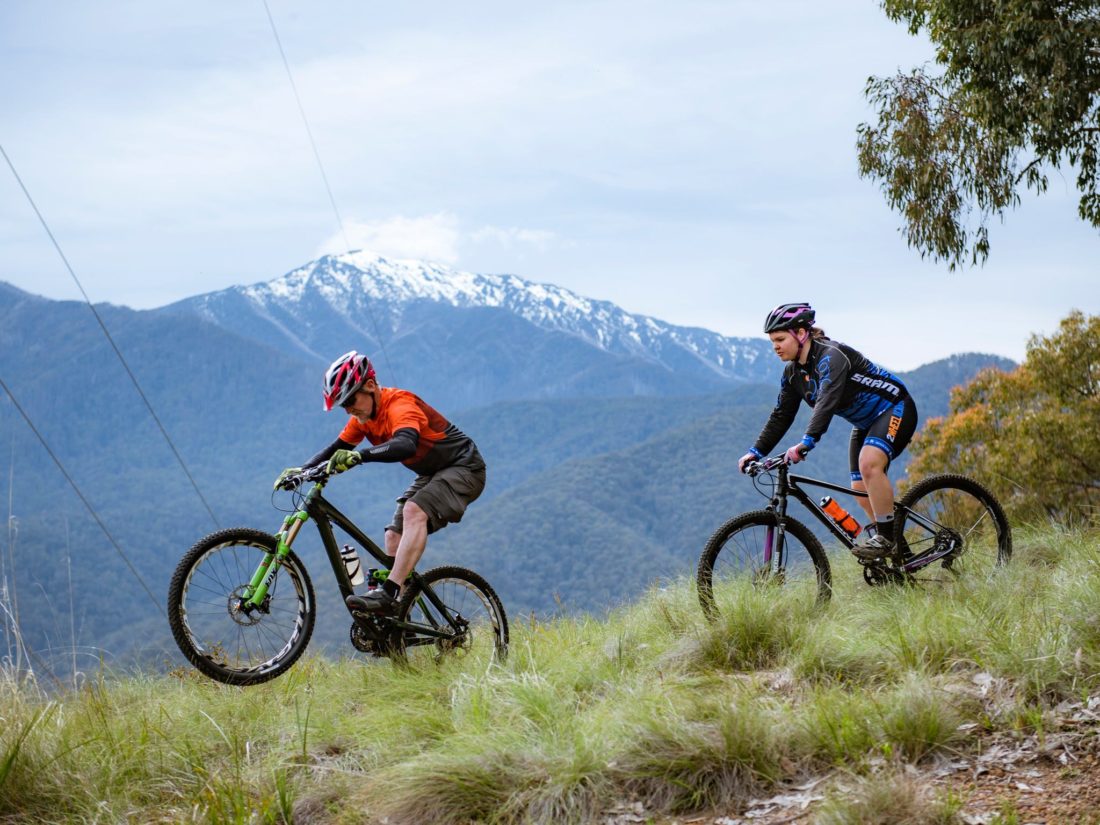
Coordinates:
[950,544]
[459,638]
[242,614]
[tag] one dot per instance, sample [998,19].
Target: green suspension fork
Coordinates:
[265,573]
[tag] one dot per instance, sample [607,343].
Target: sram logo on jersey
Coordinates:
[876,383]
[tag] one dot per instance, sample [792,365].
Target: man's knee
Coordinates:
[413,515]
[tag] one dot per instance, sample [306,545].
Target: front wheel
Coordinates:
[473,618]
[751,546]
[225,642]
[954,522]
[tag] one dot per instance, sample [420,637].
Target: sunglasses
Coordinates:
[347,405]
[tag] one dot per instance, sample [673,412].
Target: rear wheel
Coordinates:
[748,547]
[955,524]
[225,642]
[475,620]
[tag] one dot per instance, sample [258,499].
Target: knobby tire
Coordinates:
[228,646]
[463,592]
[729,547]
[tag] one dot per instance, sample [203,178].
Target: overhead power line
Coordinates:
[324,177]
[305,122]
[81,495]
[114,346]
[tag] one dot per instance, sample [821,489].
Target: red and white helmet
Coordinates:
[345,377]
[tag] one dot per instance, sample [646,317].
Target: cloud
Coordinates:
[435,237]
[508,237]
[428,238]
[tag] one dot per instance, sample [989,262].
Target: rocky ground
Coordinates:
[1053,779]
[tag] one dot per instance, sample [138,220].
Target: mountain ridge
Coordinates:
[373,294]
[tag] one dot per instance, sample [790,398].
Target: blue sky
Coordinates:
[693,161]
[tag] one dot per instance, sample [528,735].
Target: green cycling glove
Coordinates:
[344,460]
[285,474]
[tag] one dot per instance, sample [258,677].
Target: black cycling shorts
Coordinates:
[890,432]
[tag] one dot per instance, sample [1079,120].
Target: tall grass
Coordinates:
[892,798]
[650,704]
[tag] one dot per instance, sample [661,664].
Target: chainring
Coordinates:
[363,641]
[878,574]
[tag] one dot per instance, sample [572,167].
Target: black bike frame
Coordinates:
[324,515]
[787,485]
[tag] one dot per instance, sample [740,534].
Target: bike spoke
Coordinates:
[243,641]
[957,518]
[470,621]
[752,550]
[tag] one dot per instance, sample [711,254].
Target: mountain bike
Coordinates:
[242,610]
[943,523]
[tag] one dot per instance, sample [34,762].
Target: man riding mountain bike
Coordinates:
[450,472]
[835,379]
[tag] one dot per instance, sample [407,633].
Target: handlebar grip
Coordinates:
[293,482]
[754,468]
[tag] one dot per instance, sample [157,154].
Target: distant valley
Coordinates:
[611,438]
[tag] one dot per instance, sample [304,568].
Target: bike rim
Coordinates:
[758,555]
[948,529]
[480,624]
[243,643]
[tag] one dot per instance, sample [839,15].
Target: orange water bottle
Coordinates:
[841,516]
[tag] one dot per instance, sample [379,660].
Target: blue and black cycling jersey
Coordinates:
[835,380]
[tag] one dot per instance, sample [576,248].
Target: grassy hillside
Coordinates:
[589,500]
[649,710]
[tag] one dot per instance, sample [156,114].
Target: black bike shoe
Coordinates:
[376,601]
[875,547]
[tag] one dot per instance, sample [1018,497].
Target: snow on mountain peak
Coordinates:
[354,280]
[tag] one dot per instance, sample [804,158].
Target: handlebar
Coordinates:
[754,468]
[318,474]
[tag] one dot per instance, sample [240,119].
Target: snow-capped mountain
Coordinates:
[502,336]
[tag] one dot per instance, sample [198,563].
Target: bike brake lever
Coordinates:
[293,482]
[755,468]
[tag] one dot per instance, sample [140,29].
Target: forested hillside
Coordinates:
[589,498]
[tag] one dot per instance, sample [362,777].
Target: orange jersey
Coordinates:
[441,443]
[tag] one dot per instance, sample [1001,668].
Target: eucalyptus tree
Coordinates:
[1013,94]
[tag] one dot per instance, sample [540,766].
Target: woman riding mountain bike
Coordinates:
[835,379]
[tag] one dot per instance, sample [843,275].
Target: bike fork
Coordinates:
[269,566]
[774,549]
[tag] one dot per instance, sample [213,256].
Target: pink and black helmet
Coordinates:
[789,316]
[345,377]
